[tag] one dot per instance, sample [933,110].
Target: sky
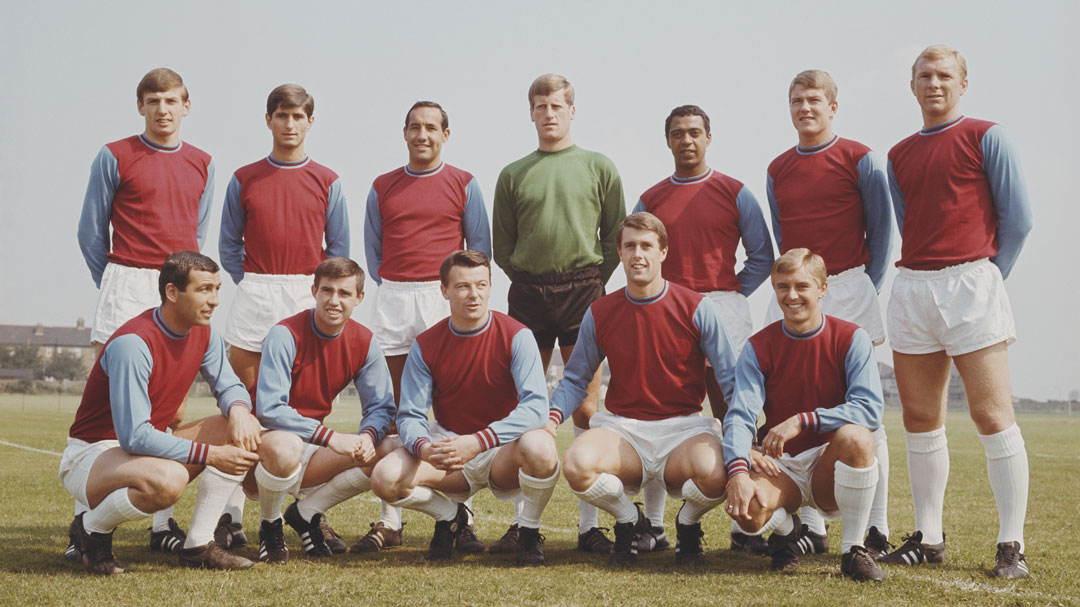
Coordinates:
[70,70]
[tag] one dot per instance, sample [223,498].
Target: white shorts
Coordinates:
[262,301]
[477,471]
[654,440]
[77,461]
[851,296]
[125,293]
[295,490]
[800,468]
[404,310]
[959,309]
[734,315]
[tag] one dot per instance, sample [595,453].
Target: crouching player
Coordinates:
[656,336]
[481,372]
[816,379]
[307,359]
[119,461]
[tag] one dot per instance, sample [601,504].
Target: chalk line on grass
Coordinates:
[34,449]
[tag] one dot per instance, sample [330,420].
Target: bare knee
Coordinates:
[537,454]
[758,517]
[579,468]
[855,445]
[161,488]
[388,479]
[991,418]
[923,417]
[280,452]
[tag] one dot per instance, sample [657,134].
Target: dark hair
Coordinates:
[419,104]
[288,96]
[687,110]
[177,269]
[644,221]
[340,267]
[160,80]
[466,258]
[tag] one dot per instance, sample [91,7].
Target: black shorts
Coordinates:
[552,305]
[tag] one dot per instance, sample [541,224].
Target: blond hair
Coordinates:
[795,259]
[941,51]
[814,79]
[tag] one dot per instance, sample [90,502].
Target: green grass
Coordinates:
[36,512]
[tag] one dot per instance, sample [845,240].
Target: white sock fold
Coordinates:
[161,519]
[235,506]
[468,504]
[928,474]
[1007,467]
[780,522]
[114,510]
[344,485]
[879,512]
[607,493]
[588,515]
[697,503]
[433,504]
[810,517]
[519,505]
[854,491]
[215,487]
[272,491]
[654,494]
[390,515]
[535,493]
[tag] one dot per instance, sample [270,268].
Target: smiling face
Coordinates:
[642,258]
[196,303]
[289,126]
[799,295]
[687,139]
[163,113]
[335,299]
[468,289]
[425,136]
[551,114]
[938,84]
[812,114]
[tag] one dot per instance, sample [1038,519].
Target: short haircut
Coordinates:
[466,258]
[160,80]
[643,221]
[340,267]
[419,104]
[795,259]
[549,84]
[177,269]
[814,79]
[288,96]
[687,110]
[941,51]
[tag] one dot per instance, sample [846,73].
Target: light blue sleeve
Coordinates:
[864,404]
[774,211]
[897,200]
[231,235]
[206,203]
[337,222]
[639,207]
[1011,201]
[474,223]
[877,213]
[373,236]
[740,423]
[97,211]
[376,391]
[716,346]
[756,242]
[219,375]
[528,371]
[415,402]
[128,364]
[579,371]
[275,384]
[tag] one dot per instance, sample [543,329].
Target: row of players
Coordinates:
[555,212]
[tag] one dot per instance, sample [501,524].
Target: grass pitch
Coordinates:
[36,511]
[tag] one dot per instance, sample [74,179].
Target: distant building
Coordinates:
[51,340]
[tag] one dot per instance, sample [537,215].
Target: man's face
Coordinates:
[811,111]
[552,115]
[195,305]
[937,86]
[688,141]
[468,290]
[799,296]
[335,299]
[641,256]
[289,126]
[163,112]
[425,136]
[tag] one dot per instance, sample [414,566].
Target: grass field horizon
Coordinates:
[37,511]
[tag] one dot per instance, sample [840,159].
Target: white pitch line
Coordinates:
[34,449]
[1051,456]
[972,586]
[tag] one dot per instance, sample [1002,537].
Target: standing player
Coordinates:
[119,463]
[277,213]
[816,380]
[831,195]
[481,373]
[554,220]
[963,211]
[656,336]
[706,214]
[308,359]
[416,216]
[155,191]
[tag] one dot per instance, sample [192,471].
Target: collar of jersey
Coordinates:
[315,328]
[287,165]
[691,180]
[812,333]
[159,320]
[471,332]
[934,130]
[427,173]
[644,301]
[817,148]
[160,148]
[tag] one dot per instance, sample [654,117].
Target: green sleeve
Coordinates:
[612,212]
[504,224]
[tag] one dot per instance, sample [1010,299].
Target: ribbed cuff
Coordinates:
[738,466]
[487,437]
[555,415]
[417,445]
[810,421]
[197,453]
[321,436]
[372,432]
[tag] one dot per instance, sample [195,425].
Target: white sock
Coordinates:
[535,493]
[430,503]
[80,508]
[588,515]
[272,491]
[812,519]
[879,512]
[215,487]
[607,493]
[854,491]
[389,515]
[344,485]
[697,503]
[235,506]
[928,473]
[468,504]
[1007,466]
[780,522]
[115,509]
[519,505]
[161,519]
[654,494]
